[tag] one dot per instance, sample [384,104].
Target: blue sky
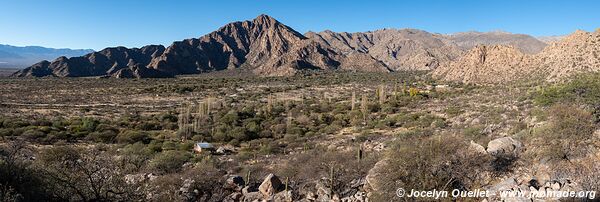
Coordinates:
[133,23]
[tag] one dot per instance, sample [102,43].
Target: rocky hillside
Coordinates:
[264,45]
[485,64]
[576,53]
[524,43]
[404,49]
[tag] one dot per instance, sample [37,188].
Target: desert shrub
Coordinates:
[567,135]
[186,146]
[583,88]
[15,123]
[416,120]
[132,136]
[453,111]
[107,136]
[33,134]
[149,125]
[18,178]
[168,117]
[318,164]
[435,162]
[204,181]
[169,161]
[84,175]
[89,124]
[331,129]
[135,156]
[473,132]
[168,145]
[240,134]
[6,132]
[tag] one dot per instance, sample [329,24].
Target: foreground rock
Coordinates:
[504,147]
[270,186]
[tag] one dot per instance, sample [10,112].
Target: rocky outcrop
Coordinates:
[486,64]
[574,54]
[524,43]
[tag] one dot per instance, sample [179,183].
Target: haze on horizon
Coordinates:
[99,24]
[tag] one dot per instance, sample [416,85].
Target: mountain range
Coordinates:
[267,47]
[15,57]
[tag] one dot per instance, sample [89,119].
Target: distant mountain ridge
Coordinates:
[525,43]
[267,47]
[264,45]
[15,56]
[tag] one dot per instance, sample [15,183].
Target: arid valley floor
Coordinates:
[337,136]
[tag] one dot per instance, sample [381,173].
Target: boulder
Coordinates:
[324,193]
[474,147]
[377,173]
[234,182]
[505,147]
[249,189]
[270,186]
[284,196]
[252,197]
[224,150]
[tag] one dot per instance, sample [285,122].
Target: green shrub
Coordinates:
[567,135]
[133,136]
[89,124]
[583,88]
[169,161]
[33,134]
[107,136]
[473,132]
[435,162]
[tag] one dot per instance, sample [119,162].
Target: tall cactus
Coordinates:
[331,177]
[381,94]
[270,103]
[364,107]
[359,153]
[353,101]
[247,178]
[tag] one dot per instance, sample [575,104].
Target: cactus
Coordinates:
[247,178]
[331,176]
[269,104]
[183,122]
[395,93]
[359,153]
[289,120]
[364,107]
[381,94]
[353,101]
[287,181]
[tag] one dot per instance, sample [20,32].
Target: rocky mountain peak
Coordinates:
[266,20]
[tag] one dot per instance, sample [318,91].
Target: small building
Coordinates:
[203,147]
